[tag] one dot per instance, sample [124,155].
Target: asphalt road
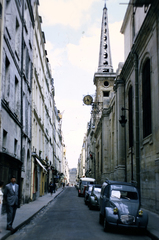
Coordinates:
[68,218]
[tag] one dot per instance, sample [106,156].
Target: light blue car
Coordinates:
[120,206]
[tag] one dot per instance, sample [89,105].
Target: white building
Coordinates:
[17,23]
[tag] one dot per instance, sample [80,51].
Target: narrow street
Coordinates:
[68,218]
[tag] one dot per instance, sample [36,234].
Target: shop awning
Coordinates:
[40,164]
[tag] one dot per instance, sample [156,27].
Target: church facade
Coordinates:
[124,122]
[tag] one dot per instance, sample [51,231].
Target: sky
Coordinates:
[72,30]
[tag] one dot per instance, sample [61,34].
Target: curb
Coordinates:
[152,236]
[29,219]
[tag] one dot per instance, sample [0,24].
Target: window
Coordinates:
[17,39]
[106,83]
[106,70]
[16,96]
[105,55]
[15,147]
[106,94]
[7,77]
[146,99]
[130,112]
[4,140]
[105,46]
[0,10]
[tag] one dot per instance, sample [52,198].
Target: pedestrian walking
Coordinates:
[11,196]
[1,200]
[54,187]
[51,187]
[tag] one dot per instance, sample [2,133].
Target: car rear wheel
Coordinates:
[105,224]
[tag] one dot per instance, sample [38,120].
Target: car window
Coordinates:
[124,195]
[90,188]
[97,190]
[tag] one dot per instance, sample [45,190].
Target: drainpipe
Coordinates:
[21,147]
[137,122]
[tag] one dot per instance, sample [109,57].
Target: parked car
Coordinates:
[77,186]
[87,193]
[93,199]
[120,206]
[83,184]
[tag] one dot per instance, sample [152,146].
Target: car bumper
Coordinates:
[114,219]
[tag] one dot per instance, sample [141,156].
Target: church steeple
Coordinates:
[105,61]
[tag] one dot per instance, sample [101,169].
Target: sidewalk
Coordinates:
[27,211]
[153,225]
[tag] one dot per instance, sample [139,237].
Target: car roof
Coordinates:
[107,181]
[87,179]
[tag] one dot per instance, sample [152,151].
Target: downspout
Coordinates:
[137,122]
[22,47]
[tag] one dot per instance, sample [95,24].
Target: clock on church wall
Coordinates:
[88,100]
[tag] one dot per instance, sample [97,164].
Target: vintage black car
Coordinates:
[120,206]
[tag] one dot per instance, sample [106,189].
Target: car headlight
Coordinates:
[140,212]
[115,210]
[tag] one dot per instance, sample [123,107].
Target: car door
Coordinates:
[105,199]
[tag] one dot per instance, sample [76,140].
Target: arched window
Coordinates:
[130,117]
[146,99]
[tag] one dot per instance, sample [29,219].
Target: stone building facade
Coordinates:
[140,77]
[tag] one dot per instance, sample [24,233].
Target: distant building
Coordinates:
[72,176]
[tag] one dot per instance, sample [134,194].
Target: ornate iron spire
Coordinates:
[105,61]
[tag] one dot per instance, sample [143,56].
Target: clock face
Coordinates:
[88,100]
